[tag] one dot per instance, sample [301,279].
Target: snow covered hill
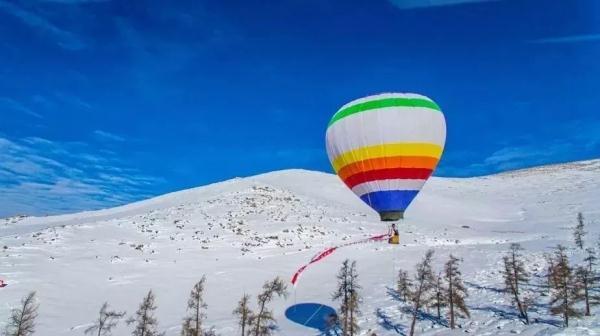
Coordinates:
[245,231]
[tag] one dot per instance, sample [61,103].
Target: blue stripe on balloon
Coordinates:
[389,200]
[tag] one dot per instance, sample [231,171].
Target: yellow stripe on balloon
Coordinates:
[390,149]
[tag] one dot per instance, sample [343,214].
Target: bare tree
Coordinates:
[355,298]
[22,319]
[579,231]
[244,314]
[590,260]
[582,283]
[404,284]
[457,292]
[586,279]
[550,266]
[564,289]
[192,324]
[515,277]
[264,320]
[353,309]
[347,292]
[342,293]
[439,297]
[423,284]
[107,320]
[146,322]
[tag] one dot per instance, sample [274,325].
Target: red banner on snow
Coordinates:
[330,250]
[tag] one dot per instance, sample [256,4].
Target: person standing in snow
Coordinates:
[394,235]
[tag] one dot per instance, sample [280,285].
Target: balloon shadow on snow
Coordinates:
[316,316]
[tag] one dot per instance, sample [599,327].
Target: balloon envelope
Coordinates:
[384,147]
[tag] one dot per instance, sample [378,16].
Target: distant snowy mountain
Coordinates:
[245,231]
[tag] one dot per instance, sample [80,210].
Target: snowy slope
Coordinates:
[242,232]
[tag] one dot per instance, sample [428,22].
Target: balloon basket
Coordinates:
[390,216]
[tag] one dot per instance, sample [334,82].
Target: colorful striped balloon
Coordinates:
[384,147]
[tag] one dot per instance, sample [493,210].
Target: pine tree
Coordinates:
[423,284]
[549,277]
[564,289]
[264,320]
[457,292]
[439,297]
[107,320]
[146,322]
[22,320]
[244,314]
[586,280]
[192,324]
[579,231]
[353,309]
[348,292]
[515,278]
[590,259]
[404,285]
[342,293]
[582,283]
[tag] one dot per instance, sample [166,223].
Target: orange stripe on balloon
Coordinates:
[387,163]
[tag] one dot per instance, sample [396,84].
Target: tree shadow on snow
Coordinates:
[540,286]
[493,289]
[421,315]
[426,316]
[552,322]
[508,314]
[391,292]
[536,306]
[511,314]
[386,322]
[335,331]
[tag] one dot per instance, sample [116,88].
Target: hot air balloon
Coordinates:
[385,147]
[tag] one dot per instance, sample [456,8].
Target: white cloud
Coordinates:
[577,140]
[73,100]
[103,135]
[75,2]
[13,105]
[569,39]
[39,176]
[409,4]
[64,38]
[514,157]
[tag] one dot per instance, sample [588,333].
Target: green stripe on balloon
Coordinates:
[381,103]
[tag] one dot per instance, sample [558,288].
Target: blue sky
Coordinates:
[107,102]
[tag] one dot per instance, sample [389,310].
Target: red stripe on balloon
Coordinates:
[388,174]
